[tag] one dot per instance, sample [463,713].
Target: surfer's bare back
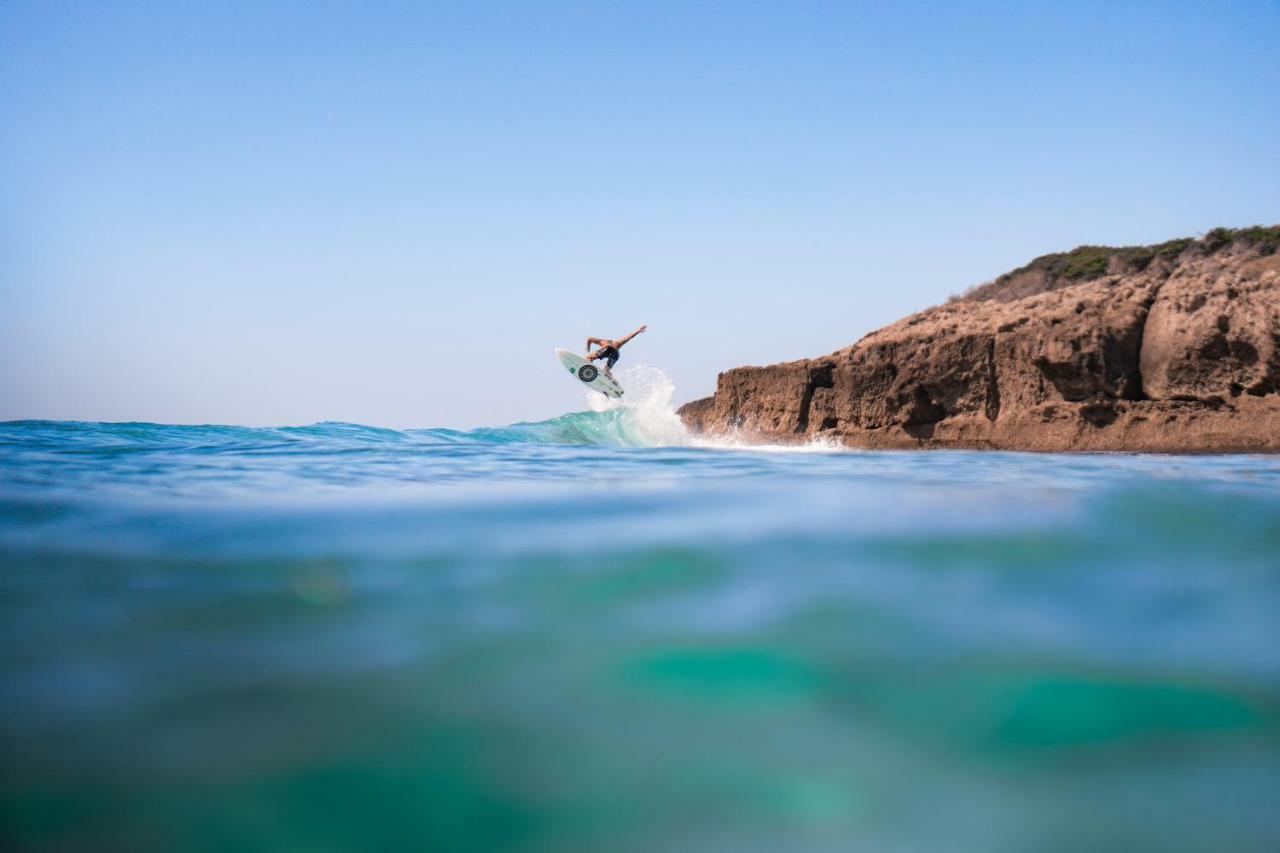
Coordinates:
[609,349]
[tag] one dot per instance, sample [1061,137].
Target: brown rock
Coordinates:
[696,414]
[1167,348]
[1212,335]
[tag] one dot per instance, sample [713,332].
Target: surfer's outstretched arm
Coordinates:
[622,341]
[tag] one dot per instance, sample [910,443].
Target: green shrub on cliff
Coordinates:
[1265,239]
[1085,263]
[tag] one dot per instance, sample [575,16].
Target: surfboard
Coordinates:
[589,373]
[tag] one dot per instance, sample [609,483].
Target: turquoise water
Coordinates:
[549,637]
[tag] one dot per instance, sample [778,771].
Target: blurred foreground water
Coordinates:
[534,638]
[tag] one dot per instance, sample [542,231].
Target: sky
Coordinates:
[272,213]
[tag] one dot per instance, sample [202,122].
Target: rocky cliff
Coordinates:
[1174,347]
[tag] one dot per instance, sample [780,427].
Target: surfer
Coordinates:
[609,349]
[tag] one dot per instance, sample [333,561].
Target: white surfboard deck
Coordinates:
[589,373]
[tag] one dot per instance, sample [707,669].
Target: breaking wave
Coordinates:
[645,417]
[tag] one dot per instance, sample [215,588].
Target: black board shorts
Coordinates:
[609,354]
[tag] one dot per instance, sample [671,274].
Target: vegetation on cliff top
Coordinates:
[1084,263]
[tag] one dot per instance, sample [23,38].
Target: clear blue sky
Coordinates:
[272,213]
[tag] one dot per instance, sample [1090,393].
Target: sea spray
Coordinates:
[644,417]
[647,416]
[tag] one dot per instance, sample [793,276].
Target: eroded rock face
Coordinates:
[1212,334]
[1183,355]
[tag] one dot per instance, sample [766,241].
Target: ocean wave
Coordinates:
[644,418]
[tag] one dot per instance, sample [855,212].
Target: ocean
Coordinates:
[599,633]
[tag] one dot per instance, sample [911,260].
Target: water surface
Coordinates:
[560,637]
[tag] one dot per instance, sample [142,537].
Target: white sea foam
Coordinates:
[646,409]
[648,417]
